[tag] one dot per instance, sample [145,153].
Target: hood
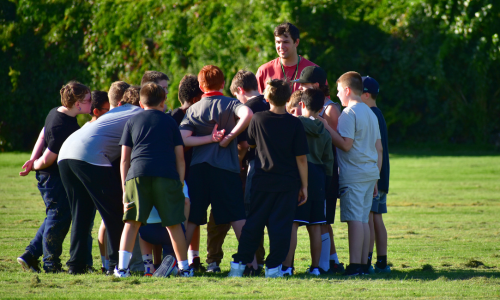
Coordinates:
[314,127]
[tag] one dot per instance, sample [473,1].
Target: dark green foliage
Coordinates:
[437,60]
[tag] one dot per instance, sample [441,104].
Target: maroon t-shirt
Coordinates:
[272,70]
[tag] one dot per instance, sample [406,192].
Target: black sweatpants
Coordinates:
[89,187]
[276,210]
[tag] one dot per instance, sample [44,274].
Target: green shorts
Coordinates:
[142,193]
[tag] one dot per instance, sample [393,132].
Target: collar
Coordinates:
[210,94]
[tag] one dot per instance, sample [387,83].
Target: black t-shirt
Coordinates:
[152,135]
[280,138]
[383,182]
[178,114]
[256,104]
[58,127]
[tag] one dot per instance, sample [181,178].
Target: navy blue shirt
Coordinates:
[152,135]
[256,104]
[383,182]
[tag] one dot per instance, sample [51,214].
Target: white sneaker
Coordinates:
[149,268]
[213,268]
[288,272]
[314,271]
[274,272]
[237,270]
[122,273]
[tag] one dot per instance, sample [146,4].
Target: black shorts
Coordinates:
[313,211]
[220,188]
[332,190]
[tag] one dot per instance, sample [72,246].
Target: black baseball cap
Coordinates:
[312,74]
[370,85]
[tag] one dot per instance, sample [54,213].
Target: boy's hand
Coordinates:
[226,140]
[325,122]
[28,166]
[124,203]
[302,195]
[375,190]
[217,135]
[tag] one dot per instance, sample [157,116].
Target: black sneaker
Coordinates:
[336,268]
[29,262]
[56,268]
[197,266]
[72,270]
[353,270]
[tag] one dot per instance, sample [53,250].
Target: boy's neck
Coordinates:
[306,113]
[355,99]
[370,102]
[251,94]
[185,106]
[280,110]
[159,108]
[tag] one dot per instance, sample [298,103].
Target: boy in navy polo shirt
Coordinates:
[152,171]
[280,180]
[378,232]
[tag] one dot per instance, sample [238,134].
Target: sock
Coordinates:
[192,254]
[103,260]
[370,255]
[106,264]
[183,265]
[124,259]
[334,257]
[146,257]
[324,259]
[381,262]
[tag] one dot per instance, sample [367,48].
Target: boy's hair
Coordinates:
[313,99]
[245,80]
[325,89]
[277,92]
[353,81]
[152,94]
[189,88]
[211,78]
[115,93]
[288,30]
[294,100]
[72,92]
[132,95]
[153,76]
[98,100]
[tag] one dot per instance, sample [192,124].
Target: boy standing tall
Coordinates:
[378,231]
[360,160]
[280,169]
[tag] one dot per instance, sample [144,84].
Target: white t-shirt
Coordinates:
[359,164]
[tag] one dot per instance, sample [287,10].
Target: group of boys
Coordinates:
[255,160]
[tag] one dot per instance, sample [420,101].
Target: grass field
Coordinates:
[443,227]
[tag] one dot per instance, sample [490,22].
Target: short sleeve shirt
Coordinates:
[97,143]
[58,127]
[152,135]
[279,139]
[201,118]
[383,182]
[256,104]
[359,164]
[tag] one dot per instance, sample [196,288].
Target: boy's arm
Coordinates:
[192,141]
[37,152]
[332,116]
[46,160]
[343,143]
[380,151]
[302,165]
[125,164]
[245,114]
[179,162]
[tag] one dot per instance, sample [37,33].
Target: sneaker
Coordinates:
[274,272]
[149,268]
[122,273]
[353,270]
[387,269]
[237,270]
[213,268]
[196,265]
[313,271]
[104,271]
[186,273]
[288,272]
[166,267]
[336,268]
[56,268]
[28,262]
[371,270]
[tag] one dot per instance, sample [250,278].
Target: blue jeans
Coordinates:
[50,236]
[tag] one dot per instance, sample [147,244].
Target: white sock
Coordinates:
[147,257]
[324,259]
[106,264]
[184,265]
[192,254]
[124,259]
[334,257]
[103,260]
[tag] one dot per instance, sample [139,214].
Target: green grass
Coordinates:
[443,227]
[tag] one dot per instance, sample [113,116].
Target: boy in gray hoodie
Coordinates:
[320,164]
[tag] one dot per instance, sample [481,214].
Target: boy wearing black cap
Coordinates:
[378,231]
[315,77]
